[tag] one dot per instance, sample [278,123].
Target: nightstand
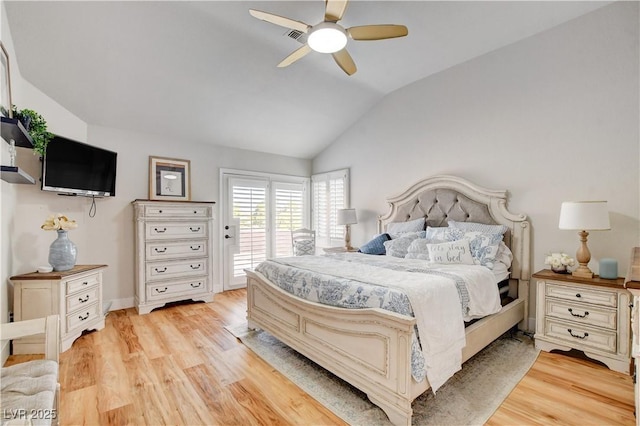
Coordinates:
[339,250]
[75,295]
[588,314]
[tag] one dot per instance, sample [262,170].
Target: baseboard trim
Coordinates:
[120,303]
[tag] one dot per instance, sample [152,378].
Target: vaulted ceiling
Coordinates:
[206,71]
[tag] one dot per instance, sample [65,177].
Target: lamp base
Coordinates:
[582,272]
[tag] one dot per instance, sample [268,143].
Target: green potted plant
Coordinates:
[36,126]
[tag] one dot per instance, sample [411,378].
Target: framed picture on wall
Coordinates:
[169,179]
[5,83]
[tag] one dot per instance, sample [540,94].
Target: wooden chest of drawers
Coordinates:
[75,295]
[587,314]
[173,252]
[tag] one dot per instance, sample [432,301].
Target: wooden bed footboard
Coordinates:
[368,348]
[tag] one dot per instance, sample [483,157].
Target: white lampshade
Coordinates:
[327,37]
[584,216]
[347,217]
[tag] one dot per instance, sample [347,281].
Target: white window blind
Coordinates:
[290,213]
[330,193]
[249,207]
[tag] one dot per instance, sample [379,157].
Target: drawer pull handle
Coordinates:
[194,230]
[196,285]
[195,248]
[85,282]
[159,211]
[195,212]
[160,231]
[82,318]
[81,300]
[578,295]
[161,271]
[195,267]
[578,315]
[162,291]
[577,336]
[159,250]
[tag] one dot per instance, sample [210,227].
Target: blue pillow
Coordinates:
[375,246]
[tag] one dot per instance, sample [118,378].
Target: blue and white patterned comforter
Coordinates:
[355,281]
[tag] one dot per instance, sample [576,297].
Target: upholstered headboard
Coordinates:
[442,198]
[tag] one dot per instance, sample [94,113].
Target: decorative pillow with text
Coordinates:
[451,252]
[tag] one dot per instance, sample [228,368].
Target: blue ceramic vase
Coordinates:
[62,253]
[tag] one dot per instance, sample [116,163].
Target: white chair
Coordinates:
[30,392]
[303,241]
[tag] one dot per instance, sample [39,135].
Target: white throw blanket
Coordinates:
[434,300]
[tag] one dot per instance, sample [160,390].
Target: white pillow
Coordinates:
[401,227]
[479,227]
[451,252]
[399,246]
[418,249]
[504,255]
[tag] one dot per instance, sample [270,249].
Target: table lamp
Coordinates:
[347,217]
[584,216]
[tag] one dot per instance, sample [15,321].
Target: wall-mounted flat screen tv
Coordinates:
[76,168]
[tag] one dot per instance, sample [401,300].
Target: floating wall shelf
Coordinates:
[15,175]
[12,128]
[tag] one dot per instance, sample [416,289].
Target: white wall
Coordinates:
[20,218]
[551,118]
[108,238]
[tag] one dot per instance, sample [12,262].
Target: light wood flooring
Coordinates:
[178,365]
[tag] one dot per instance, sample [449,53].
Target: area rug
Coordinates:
[470,397]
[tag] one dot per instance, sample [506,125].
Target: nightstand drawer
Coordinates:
[82,283]
[83,298]
[585,295]
[580,336]
[83,318]
[582,313]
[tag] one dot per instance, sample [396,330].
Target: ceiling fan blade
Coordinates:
[334,9]
[279,20]
[297,54]
[344,61]
[377,32]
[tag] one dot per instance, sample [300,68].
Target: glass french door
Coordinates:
[259,215]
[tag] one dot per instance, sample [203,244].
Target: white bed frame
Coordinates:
[371,348]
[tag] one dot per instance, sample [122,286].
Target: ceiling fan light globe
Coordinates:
[327,37]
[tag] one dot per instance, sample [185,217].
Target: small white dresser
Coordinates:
[588,314]
[75,295]
[173,249]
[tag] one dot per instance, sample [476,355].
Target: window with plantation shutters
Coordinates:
[289,214]
[330,192]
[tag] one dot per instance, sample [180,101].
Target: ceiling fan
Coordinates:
[330,37]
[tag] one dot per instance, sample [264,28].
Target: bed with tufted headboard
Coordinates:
[371,348]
